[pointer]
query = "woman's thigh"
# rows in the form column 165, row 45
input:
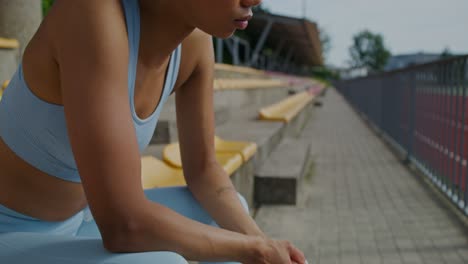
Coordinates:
column 179, row 199
column 35, row 248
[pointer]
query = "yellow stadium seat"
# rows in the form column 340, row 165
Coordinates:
column 230, row 161
column 230, row 84
column 246, row 149
column 238, row 69
column 5, row 84
column 171, row 155
column 8, row 43
column 156, row 173
column 286, row 109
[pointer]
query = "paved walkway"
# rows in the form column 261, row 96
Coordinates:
column 360, row 204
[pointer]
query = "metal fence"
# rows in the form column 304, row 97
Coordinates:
column 423, row 111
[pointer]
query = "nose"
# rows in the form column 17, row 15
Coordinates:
column 250, row 3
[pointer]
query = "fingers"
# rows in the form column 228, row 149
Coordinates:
column 296, row 255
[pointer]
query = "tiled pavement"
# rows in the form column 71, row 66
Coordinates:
column 360, row 204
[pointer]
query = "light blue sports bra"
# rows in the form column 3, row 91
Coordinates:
column 36, row 131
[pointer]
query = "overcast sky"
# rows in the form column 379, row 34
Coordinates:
column 407, row 25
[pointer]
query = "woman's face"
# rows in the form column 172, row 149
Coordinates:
column 219, row 18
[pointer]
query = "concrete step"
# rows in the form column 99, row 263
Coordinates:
column 8, row 63
column 230, row 71
column 227, row 103
column 277, row 180
column 244, row 126
column 166, row 129
column 267, row 135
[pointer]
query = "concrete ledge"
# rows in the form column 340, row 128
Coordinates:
column 228, row 104
column 247, row 83
column 8, row 63
column 277, row 180
column 231, row 71
column 267, row 135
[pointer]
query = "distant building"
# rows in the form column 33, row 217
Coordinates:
column 405, row 60
column 351, row 73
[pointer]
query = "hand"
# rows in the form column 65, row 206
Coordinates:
column 272, row 251
column 297, row 257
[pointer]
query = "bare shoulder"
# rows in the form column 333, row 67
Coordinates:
column 197, row 54
column 86, row 25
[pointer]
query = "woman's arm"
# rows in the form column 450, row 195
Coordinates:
column 206, row 179
column 92, row 54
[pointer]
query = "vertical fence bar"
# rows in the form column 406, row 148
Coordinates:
column 456, row 125
column 411, row 106
column 461, row 128
column 219, row 50
column 450, row 136
column 445, row 127
column 465, row 125
column 438, row 118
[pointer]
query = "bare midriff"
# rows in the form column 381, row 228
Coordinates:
column 34, row 193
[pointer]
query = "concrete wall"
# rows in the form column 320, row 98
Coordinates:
column 227, row 104
column 8, row 64
column 19, row 19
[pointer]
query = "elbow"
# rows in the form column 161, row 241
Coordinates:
column 123, row 237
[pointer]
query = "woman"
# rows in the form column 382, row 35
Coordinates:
column 75, row 117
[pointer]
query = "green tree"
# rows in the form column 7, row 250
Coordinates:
column 446, row 53
column 46, row 4
column 326, row 43
column 368, row 50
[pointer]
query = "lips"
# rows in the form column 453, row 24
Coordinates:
column 245, row 18
column 243, row 22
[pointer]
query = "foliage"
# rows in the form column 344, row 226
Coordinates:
column 369, row 51
column 46, row 4
column 446, row 54
column 326, row 43
column 324, row 73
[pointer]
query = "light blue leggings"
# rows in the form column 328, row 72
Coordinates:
column 58, row 243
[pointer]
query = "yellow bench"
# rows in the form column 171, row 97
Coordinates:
column 286, row 109
column 238, row 69
column 229, row 84
column 244, row 148
column 156, row 173
column 230, row 161
column 4, row 86
column 8, row 43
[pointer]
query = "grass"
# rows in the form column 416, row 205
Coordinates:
column 310, row 170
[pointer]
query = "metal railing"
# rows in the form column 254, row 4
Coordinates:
column 423, row 111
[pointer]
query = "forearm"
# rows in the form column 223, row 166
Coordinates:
column 158, row 228
column 219, row 197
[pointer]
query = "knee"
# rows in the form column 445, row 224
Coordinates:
column 148, row 257
column 172, row 258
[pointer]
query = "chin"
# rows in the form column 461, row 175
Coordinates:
column 224, row 35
